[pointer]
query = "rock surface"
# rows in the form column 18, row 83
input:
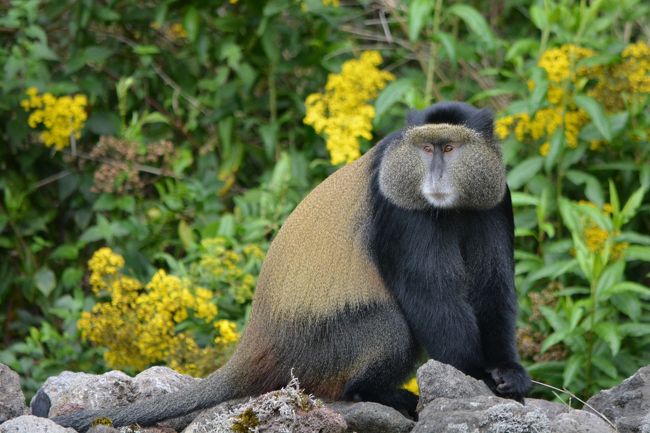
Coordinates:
column 12, row 400
column 452, row 402
column 628, row 404
column 32, row 424
column 368, row 417
column 69, row 391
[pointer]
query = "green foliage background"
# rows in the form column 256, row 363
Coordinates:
column 226, row 84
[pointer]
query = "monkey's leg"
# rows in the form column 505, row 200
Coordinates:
column 393, row 355
column 445, row 324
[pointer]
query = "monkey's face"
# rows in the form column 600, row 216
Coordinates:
column 442, row 166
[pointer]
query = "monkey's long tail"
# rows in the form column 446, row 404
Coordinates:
column 216, row 388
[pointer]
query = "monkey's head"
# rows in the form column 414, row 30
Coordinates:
column 446, row 158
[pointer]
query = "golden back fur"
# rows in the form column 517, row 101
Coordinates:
column 318, row 263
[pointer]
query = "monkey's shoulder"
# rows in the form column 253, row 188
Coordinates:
column 319, row 261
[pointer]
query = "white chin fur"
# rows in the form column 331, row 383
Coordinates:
column 439, row 197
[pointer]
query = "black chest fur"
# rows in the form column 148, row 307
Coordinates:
column 424, row 251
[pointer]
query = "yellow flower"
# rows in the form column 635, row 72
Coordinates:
column 637, row 66
column 502, row 126
column 595, row 238
column 560, row 63
column 545, row 148
column 62, row 117
column 227, row 330
column 342, row 113
column 412, row 385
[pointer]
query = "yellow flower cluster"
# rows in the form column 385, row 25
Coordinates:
column 62, row 117
column 596, row 237
column 543, row 125
column 342, row 112
column 227, row 332
column 637, row 67
column 138, row 324
column 335, row 3
column 560, row 63
column 612, row 85
column 223, row 266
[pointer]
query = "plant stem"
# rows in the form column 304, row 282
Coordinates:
column 430, row 87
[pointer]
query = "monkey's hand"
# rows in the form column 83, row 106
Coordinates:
column 509, row 380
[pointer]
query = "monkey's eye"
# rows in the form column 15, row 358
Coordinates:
column 447, row 148
column 427, row 148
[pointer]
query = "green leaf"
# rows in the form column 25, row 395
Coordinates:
column 593, row 190
column 637, row 252
column 45, row 280
column 65, row 252
column 571, row 369
column 521, row 47
column 553, row 318
column 597, row 114
column 449, row 44
column 269, row 134
column 538, row 17
column 554, row 338
column 554, row 151
column 521, row 199
column 186, row 235
column 419, row 12
column 613, row 197
column 191, row 22
column 72, row 277
column 632, row 205
column 625, row 287
column 553, row 270
column 524, row 171
column 392, row 94
column 635, row 329
column 629, row 304
column 145, row 50
column 475, row 22
column 227, row 226
column 609, row 332
column 605, row 365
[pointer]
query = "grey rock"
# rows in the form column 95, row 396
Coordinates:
column 451, row 402
column 437, row 380
column 71, row 392
column 102, row 429
column 626, row 405
column 369, row 417
column 12, row 399
column 580, row 421
column 32, row 424
column 481, row 414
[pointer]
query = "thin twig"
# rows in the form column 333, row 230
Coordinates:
column 566, row 391
column 50, row 179
column 140, row 167
column 384, row 25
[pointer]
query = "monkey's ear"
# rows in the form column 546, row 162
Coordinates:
column 415, row 118
column 483, row 122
